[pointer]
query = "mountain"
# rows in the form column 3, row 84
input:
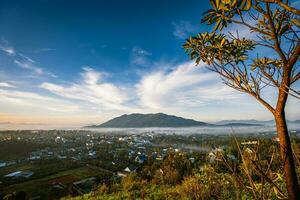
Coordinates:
column 137, row 120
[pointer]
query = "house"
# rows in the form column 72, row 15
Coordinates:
column 84, row 186
column 192, row 159
column 58, row 186
column 130, row 168
column 17, row 174
column 159, row 157
column 131, row 153
column 126, row 171
column 140, row 158
column 92, row 154
column 2, row 163
column 122, row 174
column 61, row 156
column 32, row 157
column 12, row 162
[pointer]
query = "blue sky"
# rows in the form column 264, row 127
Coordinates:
column 82, row 62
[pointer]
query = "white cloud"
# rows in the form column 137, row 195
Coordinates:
column 32, row 67
column 26, row 58
column 21, row 100
column 27, row 65
column 8, row 49
column 184, row 87
column 22, row 60
column 91, row 89
column 6, row 85
column 184, row 29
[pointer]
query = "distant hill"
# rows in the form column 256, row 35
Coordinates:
column 240, row 124
column 252, row 122
column 137, row 120
column 295, row 121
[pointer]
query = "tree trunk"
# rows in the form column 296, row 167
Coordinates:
column 287, row 157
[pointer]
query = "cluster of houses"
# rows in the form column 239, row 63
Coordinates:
column 123, row 153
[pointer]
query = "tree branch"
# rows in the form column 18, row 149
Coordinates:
column 275, row 35
column 295, row 56
column 283, row 5
column 230, row 79
column 295, row 78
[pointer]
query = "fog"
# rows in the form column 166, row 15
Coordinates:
column 198, row 130
column 168, row 130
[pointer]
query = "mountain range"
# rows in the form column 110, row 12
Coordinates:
column 252, row 121
column 137, row 120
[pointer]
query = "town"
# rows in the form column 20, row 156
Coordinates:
column 56, row 163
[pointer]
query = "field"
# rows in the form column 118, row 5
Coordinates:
column 43, row 186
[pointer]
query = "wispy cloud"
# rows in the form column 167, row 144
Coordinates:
column 181, row 89
column 6, row 85
column 33, row 100
column 26, row 58
column 8, row 49
column 23, row 60
column 30, row 66
column 184, row 87
column 183, row 29
column 91, row 89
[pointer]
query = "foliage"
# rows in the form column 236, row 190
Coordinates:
column 223, row 10
column 209, row 47
column 275, row 25
column 258, row 175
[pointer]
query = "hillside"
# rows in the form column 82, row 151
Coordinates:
column 137, row 120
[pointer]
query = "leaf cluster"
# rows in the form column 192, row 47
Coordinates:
column 211, row 47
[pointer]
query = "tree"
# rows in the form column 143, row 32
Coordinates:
column 275, row 24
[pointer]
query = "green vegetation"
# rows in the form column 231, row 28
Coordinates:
column 195, row 166
column 43, row 186
column 256, row 173
column 16, row 149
